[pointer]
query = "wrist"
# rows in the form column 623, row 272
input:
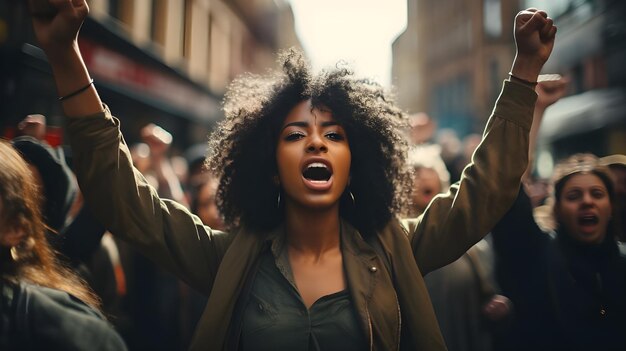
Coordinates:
column 514, row 78
column 526, row 68
column 60, row 52
column 62, row 55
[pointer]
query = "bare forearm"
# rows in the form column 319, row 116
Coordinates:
column 71, row 74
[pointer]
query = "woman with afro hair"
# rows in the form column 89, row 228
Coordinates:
column 312, row 176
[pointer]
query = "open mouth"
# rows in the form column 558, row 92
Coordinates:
column 588, row 220
column 317, row 172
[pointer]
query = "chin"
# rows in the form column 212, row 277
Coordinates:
column 590, row 239
column 319, row 203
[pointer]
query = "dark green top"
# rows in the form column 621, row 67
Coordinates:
column 276, row 318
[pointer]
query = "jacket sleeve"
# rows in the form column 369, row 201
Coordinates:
column 456, row 220
column 517, row 236
column 122, row 200
column 520, row 248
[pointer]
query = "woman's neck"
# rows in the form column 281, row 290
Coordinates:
column 312, row 231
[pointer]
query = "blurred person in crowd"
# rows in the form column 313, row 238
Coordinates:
column 421, row 128
column 53, row 176
column 204, row 202
column 160, row 167
column 196, row 158
column 140, row 153
column 456, row 153
column 180, row 168
column 43, row 304
column 312, row 170
column 463, row 293
column 33, row 125
column 430, row 176
column 157, row 302
column 451, row 148
column 550, row 89
column 71, row 228
column 568, row 285
column 202, row 192
column 617, row 165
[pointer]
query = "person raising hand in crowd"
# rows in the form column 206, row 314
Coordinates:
column 312, row 172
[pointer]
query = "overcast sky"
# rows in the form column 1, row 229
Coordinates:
column 357, row 31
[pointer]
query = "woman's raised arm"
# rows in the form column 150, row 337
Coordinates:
column 455, row 221
column 116, row 192
column 56, row 24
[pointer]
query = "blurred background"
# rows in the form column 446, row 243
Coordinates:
column 452, row 58
column 169, row 62
column 163, row 66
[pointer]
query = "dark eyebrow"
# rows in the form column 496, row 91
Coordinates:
column 296, row 124
column 306, row 124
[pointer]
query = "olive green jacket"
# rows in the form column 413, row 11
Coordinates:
column 390, row 306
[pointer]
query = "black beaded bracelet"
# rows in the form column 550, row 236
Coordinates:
column 522, row 80
column 71, row 95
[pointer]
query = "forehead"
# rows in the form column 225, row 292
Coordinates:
column 427, row 173
column 584, row 180
column 304, row 112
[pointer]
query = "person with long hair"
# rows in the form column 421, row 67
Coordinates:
column 569, row 285
column 43, row 304
column 560, row 263
column 312, row 171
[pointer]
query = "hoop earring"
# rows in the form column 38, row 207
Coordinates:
column 14, row 254
column 352, row 197
column 278, row 200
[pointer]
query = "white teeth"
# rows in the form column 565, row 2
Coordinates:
column 316, row 164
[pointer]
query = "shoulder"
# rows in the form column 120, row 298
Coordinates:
column 57, row 320
column 41, row 299
column 409, row 225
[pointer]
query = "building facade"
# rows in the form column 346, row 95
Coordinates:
column 454, row 54
column 591, row 51
column 162, row 61
column 452, row 58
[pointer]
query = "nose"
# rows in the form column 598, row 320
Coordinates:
column 316, row 144
column 587, row 198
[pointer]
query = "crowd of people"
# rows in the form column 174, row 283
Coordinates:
column 320, row 216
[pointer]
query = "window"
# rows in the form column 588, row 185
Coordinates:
column 122, row 10
column 159, row 21
column 114, row 8
column 492, row 18
column 187, row 23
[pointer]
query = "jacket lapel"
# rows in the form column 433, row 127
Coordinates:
column 212, row 330
column 371, row 290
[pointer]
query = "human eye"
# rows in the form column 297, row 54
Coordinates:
column 573, row 195
column 334, row 135
column 598, row 193
column 293, row 136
